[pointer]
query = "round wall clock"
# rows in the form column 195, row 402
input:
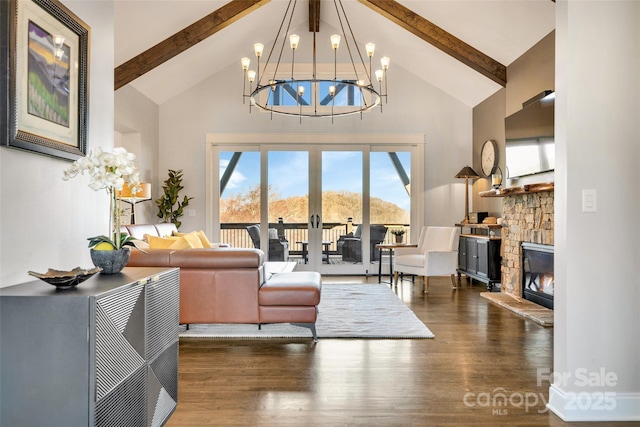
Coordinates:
column 488, row 156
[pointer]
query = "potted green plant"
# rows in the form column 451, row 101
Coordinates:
column 399, row 233
column 170, row 208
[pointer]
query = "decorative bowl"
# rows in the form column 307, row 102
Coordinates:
column 65, row 279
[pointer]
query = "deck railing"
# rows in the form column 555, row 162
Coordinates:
column 237, row 236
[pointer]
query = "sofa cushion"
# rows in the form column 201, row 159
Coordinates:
column 413, row 260
column 217, row 258
column 297, row 288
column 151, row 258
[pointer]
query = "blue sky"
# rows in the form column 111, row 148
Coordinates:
column 341, row 171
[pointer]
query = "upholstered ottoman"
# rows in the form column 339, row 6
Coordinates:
column 291, row 298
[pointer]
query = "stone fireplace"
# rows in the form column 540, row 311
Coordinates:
column 528, row 218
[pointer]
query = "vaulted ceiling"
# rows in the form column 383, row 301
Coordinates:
column 163, row 47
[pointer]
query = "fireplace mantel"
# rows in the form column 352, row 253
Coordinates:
column 515, row 191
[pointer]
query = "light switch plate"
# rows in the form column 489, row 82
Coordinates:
column 589, row 201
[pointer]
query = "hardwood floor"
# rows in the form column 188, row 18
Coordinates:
column 481, row 351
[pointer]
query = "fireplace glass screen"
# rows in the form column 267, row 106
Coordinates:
column 537, row 274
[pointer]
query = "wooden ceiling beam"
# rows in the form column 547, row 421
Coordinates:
column 314, row 16
column 184, row 39
column 439, row 38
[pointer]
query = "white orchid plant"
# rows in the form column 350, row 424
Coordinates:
column 109, row 171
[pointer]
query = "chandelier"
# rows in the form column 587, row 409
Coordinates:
column 305, row 91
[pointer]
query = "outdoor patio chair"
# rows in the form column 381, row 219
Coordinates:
column 278, row 246
column 351, row 246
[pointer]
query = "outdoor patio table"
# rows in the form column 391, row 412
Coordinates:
column 325, row 249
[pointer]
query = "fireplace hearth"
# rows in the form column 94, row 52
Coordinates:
column 537, row 273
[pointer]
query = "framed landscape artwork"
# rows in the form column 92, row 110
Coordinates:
column 44, row 76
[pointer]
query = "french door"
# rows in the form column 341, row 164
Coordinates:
column 324, row 206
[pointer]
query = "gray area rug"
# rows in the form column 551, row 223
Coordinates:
column 345, row 311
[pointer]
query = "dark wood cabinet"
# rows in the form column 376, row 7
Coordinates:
column 479, row 258
column 102, row 354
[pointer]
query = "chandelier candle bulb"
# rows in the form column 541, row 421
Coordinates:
column 258, row 48
column 294, row 40
column 245, row 66
column 370, row 48
column 335, row 41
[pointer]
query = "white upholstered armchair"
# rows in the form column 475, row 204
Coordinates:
column 436, row 255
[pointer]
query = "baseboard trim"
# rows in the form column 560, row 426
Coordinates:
column 594, row 406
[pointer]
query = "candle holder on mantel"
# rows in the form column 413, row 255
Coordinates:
column 496, row 177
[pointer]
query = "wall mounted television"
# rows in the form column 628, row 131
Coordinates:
column 529, row 134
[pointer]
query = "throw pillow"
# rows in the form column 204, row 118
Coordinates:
column 192, row 239
column 156, row 242
column 189, row 240
column 203, row 239
column 180, row 243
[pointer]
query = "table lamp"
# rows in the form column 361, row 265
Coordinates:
column 142, row 195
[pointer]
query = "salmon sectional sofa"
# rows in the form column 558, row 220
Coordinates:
column 228, row 285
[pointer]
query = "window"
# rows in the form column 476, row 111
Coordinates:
column 285, row 94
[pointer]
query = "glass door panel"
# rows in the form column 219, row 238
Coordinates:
column 288, row 206
column 391, row 191
column 240, row 194
column 390, row 203
column 341, row 206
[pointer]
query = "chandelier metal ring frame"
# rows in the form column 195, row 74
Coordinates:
column 262, row 96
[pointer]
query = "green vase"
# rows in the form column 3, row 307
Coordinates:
column 111, row 262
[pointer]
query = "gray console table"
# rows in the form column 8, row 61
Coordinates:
column 102, row 354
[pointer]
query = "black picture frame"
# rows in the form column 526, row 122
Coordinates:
column 54, row 121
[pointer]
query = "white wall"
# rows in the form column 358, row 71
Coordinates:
column 597, row 129
column 137, row 130
column 215, row 106
column 46, row 221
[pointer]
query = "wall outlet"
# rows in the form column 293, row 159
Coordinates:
column 191, row 212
